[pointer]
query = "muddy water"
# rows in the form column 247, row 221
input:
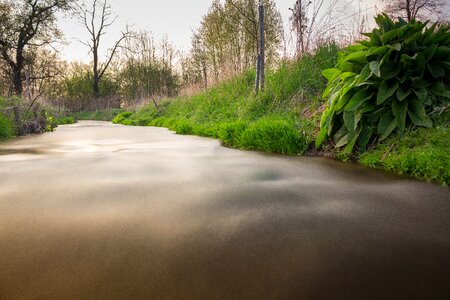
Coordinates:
column 98, row 211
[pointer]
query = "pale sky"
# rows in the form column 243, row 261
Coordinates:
column 173, row 18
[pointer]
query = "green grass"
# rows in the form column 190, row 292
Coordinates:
column 100, row 115
column 424, row 153
column 277, row 120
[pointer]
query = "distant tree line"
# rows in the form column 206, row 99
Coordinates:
column 139, row 68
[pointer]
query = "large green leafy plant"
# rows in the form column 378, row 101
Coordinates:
column 386, row 83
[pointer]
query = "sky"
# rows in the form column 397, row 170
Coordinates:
column 173, row 18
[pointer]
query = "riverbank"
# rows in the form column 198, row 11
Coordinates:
column 285, row 119
column 18, row 118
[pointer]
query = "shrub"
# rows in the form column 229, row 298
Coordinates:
column 66, row 120
column 6, row 128
column 387, row 83
column 120, row 118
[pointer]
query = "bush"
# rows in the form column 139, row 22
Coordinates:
column 388, row 83
column 120, row 118
column 66, row 120
column 6, row 128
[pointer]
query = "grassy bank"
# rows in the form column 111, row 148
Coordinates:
column 423, row 153
column 285, row 119
column 281, row 119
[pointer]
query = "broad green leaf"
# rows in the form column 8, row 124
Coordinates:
column 429, row 52
column 436, row 69
column 331, row 74
column 387, row 125
column 377, row 51
column 333, row 87
column 411, row 40
column 399, row 111
column 340, row 134
column 346, row 75
column 343, row 100
column 386, row 91
column 359, row 57
column 323, row 135
column 418, row 115
column 408, row 60
column 389, row 70
column 349, row 121
column 385, row 121
column 352, row 141
column 402, row 77
column 356, row 48
column 403, row 92
column 365, row 74
column 367, row 107
column 420, row 62
column 365, row 136
column 422, row 94
column 397, row 47
column 342, row 142
column 358, row 99
column 390, row 36
column 375, row 68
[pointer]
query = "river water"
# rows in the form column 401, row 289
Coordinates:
column 102, row 211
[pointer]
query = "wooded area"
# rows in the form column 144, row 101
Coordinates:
column 138, row 68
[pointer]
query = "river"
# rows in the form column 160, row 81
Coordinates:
column 102, row 211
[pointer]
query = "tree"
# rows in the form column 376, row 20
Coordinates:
column 299, row 22
column 318, row 22
column 23, row 24
column 227, row 42
column 97, row 20
column 414, row 9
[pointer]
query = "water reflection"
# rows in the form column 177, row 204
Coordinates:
column 105, row 211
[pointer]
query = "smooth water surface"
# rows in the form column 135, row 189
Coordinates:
column 101, row 211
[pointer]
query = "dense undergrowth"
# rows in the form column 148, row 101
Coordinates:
column 31, row 120
column 281, row 119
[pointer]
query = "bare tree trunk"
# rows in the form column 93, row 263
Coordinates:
column 258, row 73
column 262, row 41
column 96, row 81
column 408, row 10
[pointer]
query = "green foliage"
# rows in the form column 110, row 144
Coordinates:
column 270, row 121
column 65, row 120
column 423, row 153
column 6, row 128
column 387, row 83
column 274, row 134
column 230, row 133
column 51, row 122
